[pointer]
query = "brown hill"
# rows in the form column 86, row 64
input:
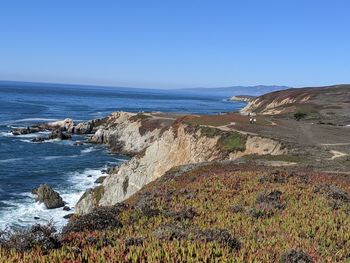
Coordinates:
column 325, row 104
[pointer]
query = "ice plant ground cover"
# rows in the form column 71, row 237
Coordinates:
column 222, row 212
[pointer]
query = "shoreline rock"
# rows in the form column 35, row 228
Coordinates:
column 66, row 208
column 55, row 134
column 63, row 125
column 51, row 199
column 62, row 130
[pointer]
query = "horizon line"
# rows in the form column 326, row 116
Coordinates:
column 133, row 87
column 158, row 88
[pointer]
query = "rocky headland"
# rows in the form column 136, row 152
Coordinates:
column 214, row 187
column 158, row 143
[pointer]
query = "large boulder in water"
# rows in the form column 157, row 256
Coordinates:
column 58, row 134
column 48, row 196
column 85, row 127
column 39, row 139
column 26, row 130
column 55, row 134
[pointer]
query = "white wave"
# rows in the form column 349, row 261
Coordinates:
column 27, row 194
column 31, row 119
column 52, row 141
column 21, row 212
column 59, row 157
column 6, row 134
column 66, row 142
column 27, row 141
column 11, row 160
column 32, row 135
column 52, row 157
column 85, row 179
column 89, row 150
column 118, row 160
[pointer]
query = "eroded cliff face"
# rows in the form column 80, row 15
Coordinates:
column 128, row 133
column 160, row 148
column 273, row 106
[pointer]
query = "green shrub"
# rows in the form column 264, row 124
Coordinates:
column 299, row 115
column 209, row 131
column 232, row 142
column 139, row 117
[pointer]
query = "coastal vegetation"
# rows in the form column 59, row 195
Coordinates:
column 299, row 115
column 281, row 158
column 216, row 212
column 232, row 142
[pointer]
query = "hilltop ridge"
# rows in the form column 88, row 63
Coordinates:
column 329, row 104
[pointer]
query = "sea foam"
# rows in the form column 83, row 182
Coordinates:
column 89, row 150
column 11, row 160
column 21, row 212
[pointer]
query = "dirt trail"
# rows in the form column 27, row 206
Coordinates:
column 335, row 144
column 337, row 154
column 228, row 127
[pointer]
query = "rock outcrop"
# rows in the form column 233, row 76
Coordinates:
column 62, row 125
column 60, row 135
column 26, row 130
column 51, row 199
column 65, row 124
column 61, row 130
column 122, row 132
column 85, row 127
column 158, row 148
column 55, row 134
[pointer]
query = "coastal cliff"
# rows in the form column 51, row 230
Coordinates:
column 159, row 143
column 244, row 98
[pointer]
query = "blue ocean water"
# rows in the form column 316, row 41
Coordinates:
column 67, row 168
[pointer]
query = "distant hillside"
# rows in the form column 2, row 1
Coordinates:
column 220, row 92
column 329, row 104
column 237, row 90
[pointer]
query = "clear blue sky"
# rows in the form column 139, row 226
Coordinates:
column 179, row 43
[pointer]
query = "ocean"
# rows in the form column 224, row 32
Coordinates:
column 70, row 169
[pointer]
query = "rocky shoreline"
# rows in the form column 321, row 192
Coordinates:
column 58, row 130
column 156, row 142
